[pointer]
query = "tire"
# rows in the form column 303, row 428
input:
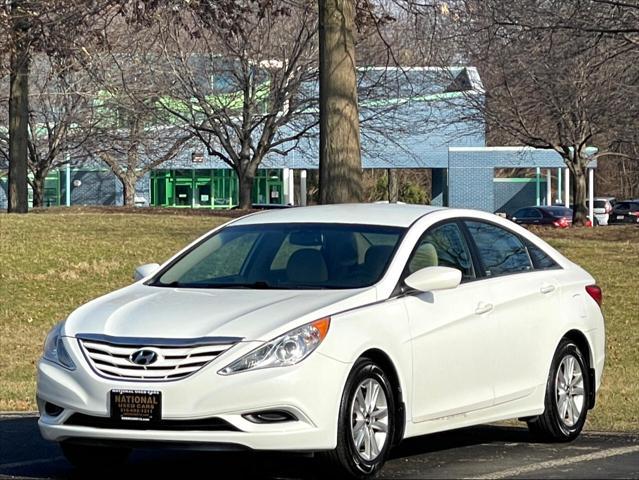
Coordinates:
column 85, row 457
column 355, row 455
column 566, row 407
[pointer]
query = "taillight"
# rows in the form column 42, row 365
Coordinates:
column 608, row 208
column 636, row 214
column 595, row 292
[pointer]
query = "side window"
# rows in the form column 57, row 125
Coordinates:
column 501, row 252
column 540, row 260
column 442, row 246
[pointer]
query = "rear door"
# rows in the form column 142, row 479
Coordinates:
column 523, row 300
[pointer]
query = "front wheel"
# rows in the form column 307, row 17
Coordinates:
column 566, row 401
column 366, row 423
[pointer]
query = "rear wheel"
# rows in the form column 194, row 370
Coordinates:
column 92, row 457
column 566, row 402
column 366, row 423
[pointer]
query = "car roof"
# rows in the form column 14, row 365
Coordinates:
column 545, row 208
column 396, row 215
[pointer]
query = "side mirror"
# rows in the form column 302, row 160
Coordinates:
column 434, row 278
column 144, row 271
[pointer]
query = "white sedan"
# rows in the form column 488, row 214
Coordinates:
column 336, row 329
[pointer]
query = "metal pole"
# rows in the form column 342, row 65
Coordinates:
column 538, row 185
column 303, row 188
column 567, row 187
column 548, row 187
column 591, row 195
column 67, row 192
column 559, row 184
column 291, row 187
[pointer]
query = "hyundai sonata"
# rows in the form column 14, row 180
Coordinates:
column 335, row 329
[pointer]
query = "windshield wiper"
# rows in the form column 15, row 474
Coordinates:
column 173, row 284
column 259, row 285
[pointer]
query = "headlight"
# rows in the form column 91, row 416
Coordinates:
column 287, row 349
column 54, row 349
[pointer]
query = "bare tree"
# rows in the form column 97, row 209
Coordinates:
column 35, row 26
column 60, row 117
column 18, row 106
column 128, row 134
column 239, row 79
column 548, row 88
column 340, row 153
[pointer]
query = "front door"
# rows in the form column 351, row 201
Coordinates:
column 183, row 193
column 203, row 193
column 453, row 332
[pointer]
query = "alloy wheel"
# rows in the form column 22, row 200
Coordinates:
column 369, row 415
column 569, row 388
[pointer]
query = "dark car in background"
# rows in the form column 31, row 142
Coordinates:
column 626, row 211
column 555, row 216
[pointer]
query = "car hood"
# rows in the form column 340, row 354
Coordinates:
column 161, row 312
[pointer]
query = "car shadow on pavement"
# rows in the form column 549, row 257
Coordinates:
column 24, row 454
column 464, row 437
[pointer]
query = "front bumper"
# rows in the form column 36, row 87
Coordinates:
column 310, row 390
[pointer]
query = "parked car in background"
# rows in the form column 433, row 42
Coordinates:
column 602, row 208
column 626, row 211
column 337, row 329
column 555, row 216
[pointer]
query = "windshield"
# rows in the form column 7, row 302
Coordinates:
column 285, row 256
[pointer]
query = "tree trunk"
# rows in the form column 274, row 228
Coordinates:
column 580, row 189
column 128, row 187
column 340, row 158
column 393, row 186
column 18, row 196
column 37, row 185
column 245, row 181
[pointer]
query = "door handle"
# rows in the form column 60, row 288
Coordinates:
column 483, row 308
column 548, row 288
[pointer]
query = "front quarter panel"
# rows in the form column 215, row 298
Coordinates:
column 379, row 326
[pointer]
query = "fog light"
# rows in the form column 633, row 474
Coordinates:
column 52, row 409
column 270, row 416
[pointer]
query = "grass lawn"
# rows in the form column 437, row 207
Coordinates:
column 52, row 263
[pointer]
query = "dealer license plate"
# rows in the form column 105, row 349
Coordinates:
column 620, row 217
column 137, row 405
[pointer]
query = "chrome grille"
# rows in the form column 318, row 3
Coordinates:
column 111, row 356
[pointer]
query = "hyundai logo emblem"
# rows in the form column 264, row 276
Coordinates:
column 144, row 357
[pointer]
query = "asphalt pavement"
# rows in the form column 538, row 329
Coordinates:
column 486, row 452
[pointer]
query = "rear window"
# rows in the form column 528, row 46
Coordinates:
column 600, row 204
column 540, row 259
column 559, row 211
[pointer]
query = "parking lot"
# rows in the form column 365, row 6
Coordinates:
column 487, row 452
